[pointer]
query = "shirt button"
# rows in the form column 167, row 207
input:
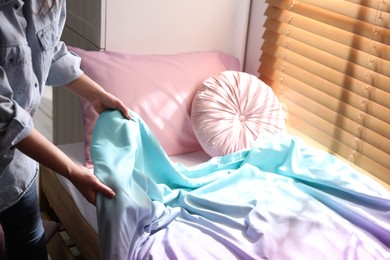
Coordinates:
column 16, row 6
column 36, row 84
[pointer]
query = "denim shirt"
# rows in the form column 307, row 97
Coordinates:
column 31, row 56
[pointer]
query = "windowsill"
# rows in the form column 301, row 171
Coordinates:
column 316, row 144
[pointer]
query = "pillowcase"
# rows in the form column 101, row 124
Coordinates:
column 159, row 88
column 231, row 109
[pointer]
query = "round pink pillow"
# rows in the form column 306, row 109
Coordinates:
column 231, row 109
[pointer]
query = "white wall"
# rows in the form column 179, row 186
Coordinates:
column 255, row 33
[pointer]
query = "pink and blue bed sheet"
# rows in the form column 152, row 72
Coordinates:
column 282, row 199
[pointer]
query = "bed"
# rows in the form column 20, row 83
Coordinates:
column 310, row 204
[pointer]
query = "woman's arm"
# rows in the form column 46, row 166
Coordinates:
column 43, row 151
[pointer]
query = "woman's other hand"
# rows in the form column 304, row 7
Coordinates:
column 101, row 100
column 88, row 184
column 106, row 101
column 43, row 151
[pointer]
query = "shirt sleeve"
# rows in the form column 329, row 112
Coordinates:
column 65, row 67
column 15, row 123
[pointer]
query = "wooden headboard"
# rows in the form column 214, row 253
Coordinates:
column 146, row 27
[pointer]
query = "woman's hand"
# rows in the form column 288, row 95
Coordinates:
column 101, row 100
column 43, row 151
column 105, row 101
column 88, row 184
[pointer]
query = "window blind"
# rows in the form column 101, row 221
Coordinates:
column 329, row 64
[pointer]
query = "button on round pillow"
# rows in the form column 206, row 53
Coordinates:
column 231, row 110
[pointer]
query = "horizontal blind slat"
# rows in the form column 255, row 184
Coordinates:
column 383, row 6
column 337, row 123
column 318, row 15
column 315, row 66
column 362, row 161
column 339, row 134
column 301, row 41
column 348, row 39
column 352, row 10
column 334, row 110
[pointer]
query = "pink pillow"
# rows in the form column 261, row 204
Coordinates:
column 159, row 88
column 231, row 110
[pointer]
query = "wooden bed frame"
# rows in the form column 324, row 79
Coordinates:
column 55, row 200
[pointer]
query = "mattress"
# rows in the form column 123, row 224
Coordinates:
column 76, row 152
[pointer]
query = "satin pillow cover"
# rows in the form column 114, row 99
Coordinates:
column 231, row 109
column 159, row 88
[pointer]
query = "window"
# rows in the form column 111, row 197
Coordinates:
column 329, row 63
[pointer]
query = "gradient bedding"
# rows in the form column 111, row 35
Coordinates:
column 282, row 199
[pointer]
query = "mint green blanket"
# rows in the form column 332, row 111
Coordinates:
column 282, row 199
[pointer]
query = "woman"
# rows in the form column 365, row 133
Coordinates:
column 31, row 57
